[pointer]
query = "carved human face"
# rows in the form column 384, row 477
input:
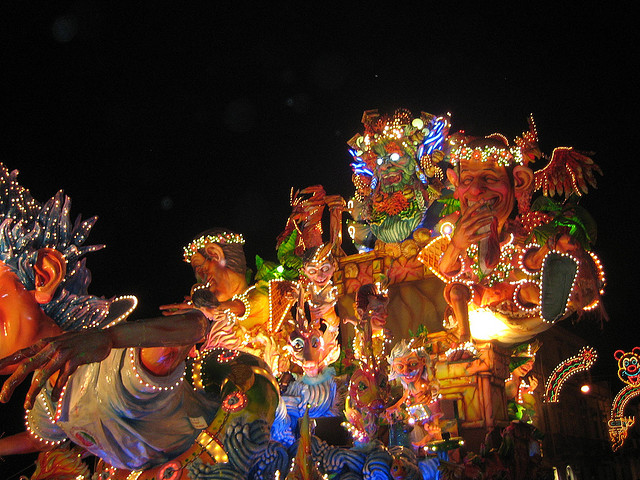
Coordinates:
column 377, row 311
column 409, row 368
column 488, row 183
column 320, row 273
column 394, row 172
column 206, row 270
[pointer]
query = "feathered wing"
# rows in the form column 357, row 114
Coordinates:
column 568, row 172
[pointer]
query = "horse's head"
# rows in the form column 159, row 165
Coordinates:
column 313, row 347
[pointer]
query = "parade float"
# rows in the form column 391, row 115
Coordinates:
column 420, row 345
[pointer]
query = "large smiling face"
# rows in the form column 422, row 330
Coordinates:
column 488, row 183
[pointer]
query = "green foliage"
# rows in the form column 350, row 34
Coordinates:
column 451, row 205
column 568, row 217
column 268, row 270
column 286, row 253
column 287, row 267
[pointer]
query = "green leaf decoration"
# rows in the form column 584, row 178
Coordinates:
column 286, row 252
column 568, row 216
column 451, row 205
column 545, row 204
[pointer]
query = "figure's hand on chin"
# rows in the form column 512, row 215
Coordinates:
column 472, row 226
column 54, row 358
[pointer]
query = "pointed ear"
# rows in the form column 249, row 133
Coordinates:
column 453, row 177
column 522, row 178
column 214, row 252
column 50, row 269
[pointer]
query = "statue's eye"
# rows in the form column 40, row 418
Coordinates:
column 394, row 157
column 315, row 341
column 297, row 344
column 625, row 363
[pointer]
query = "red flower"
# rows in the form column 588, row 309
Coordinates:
column 392, row 205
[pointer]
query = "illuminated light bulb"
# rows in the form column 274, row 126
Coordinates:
column 418, row 123
column 585, row 388
column 446, row 228
column 395, row 157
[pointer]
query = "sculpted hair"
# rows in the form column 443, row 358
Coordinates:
column 27, row 226
column 235, row 258
column 366, row 291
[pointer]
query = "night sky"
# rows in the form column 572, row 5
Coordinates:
column 165, row 119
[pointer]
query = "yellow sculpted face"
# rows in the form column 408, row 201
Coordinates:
column 409, row 368
column 205, row 270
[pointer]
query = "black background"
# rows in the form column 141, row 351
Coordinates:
column 165, row 119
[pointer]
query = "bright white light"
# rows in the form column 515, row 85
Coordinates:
column 585, row 388
column 379, row 161
column 485, row 325
column 395, row 157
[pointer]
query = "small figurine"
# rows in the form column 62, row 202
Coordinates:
column 318, row 267
column 412, row 365
column 520, row 385
column 372, row 338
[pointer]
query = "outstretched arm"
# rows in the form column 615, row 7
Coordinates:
column 21, row 443
column 61, row 356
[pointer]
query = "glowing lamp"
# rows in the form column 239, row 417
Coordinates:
column 585, row 388
column 485, row 325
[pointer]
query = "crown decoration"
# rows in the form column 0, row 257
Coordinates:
column 395, row 136
column 321, row 254
column 502, row 156
column 224, row 238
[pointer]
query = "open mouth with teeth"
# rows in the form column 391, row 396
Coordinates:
column 488, row 203
column 391, row 178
